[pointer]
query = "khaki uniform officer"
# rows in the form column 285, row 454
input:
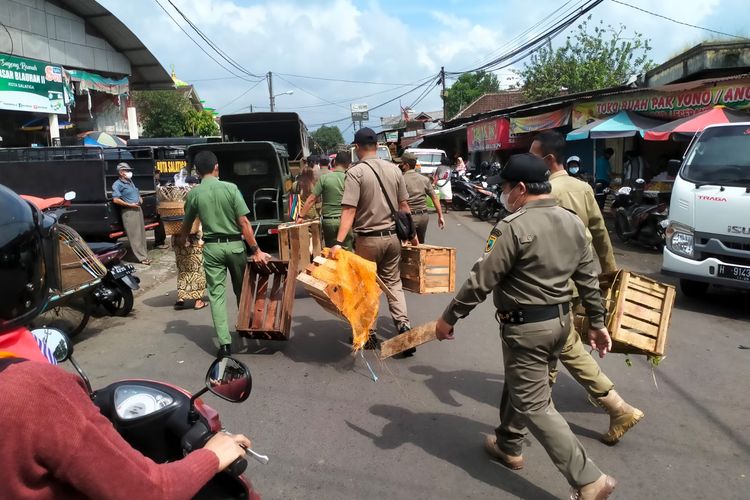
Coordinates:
column 578, row 197
column 329, row 189
column 530, row 257
column 418, row 186
column 223, row 214
column 366, row 210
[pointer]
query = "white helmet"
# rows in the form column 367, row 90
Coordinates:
column 573, row 158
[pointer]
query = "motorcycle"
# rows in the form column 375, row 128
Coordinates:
column 600, row 194
column 639, row 218
column 464, row 191
column 115, row 292
column 165, row 422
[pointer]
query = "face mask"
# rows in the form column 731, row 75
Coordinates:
column 505, row 201
column 573, row 170
column 128, row 175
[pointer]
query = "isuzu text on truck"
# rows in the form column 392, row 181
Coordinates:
column 708, row 237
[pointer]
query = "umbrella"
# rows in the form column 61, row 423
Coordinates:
column 39, row 124
column 623, row 124
column 95, row 138
column 692, row 124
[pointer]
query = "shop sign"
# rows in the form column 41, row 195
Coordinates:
column 667, row 105
column 30, row 85
column 545, row 121
column 391, row 136
column 492, row 135
column 170, row 166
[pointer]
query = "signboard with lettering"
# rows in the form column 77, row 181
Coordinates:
column 360, row 113
column 492, row 135
column 391, row 136
column 544, row 121
column 171, row 166
column 30, row 85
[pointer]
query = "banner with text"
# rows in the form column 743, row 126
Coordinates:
column 667, row 105
column 492, row 135
column 29, row 85
column 545, row 121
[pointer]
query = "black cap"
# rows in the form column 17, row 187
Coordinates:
column 365, row 136
column 525, row 168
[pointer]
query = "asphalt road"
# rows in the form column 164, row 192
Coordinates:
column 416, row 433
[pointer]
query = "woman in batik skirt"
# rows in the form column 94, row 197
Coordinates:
column 191, row 280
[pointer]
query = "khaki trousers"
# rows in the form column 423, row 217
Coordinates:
column 218, row 258
column 385, row 251
column 530, row 351
column 420, row 224
column 132, row 221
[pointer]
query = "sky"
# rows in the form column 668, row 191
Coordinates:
column 390, row 43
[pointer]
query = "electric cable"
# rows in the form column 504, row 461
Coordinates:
column 240, row 96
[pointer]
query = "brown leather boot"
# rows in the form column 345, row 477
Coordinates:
column 513, row 462
column 622, row 417
column 600, row 489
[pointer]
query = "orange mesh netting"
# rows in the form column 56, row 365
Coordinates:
column 356, row 293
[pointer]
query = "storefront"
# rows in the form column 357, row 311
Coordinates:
column 492, row 140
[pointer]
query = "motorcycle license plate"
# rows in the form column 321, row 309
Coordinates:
column 734, row 272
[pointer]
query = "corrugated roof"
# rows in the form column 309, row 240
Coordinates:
column 490, row 102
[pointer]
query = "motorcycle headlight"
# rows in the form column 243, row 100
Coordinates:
column 681, row 240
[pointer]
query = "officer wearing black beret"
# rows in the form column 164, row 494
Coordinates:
column 529, row 259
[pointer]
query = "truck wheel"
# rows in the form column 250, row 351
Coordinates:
column 693, row 289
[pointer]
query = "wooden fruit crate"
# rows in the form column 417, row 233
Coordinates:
column 428, row 269
column 300, row 242
column 639, row 310
column 265, row 310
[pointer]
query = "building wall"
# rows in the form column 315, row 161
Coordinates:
column 40, row 30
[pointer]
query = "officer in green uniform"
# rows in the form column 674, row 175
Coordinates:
column 419, row 187
column 529, row 259
column 223, row 213
column 329, row 189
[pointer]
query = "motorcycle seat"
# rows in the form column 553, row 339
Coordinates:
column 104, row 247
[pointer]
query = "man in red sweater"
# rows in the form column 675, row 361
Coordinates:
column 55, row 442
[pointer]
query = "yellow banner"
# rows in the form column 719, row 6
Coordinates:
column 170, row 166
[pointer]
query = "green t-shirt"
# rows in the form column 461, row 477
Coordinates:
column 330, row 189
column 218, row 204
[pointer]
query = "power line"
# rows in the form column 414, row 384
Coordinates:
column 680, row 22
column 343, row 81
column 310, row 93
column 199, row 45
column 240, row 96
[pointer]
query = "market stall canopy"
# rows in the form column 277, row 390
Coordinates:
column 95, row 138
column 623, row 124
column 692, row 124
column 39, row 124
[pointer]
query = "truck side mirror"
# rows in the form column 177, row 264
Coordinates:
column 673, row 166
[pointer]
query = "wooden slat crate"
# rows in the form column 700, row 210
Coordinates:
column 639, row 310
column 265, row 310
column 307, row 240
column 428, row 269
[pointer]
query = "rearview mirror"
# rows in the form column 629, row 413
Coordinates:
column 70, row 196
column 229, row 379
column 56, row 341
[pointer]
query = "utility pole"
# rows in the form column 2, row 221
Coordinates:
column 270, row 90
column 442, row 93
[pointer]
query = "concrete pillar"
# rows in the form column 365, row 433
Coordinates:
column 132, row 122
column 54, row 130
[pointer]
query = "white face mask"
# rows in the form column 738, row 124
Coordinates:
column 128, row 175
column 574, row 170
column 505, row 200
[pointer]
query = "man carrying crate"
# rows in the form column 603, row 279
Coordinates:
column 578, row 197
column 528, row 273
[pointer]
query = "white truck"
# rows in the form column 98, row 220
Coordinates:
column 708, row 236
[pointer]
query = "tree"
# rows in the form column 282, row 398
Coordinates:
column 201, row 123
column 468, row 88
column 328, row 137
column 588, row 61
column 163, row 113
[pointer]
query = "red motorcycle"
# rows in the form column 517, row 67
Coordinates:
column 165, row 422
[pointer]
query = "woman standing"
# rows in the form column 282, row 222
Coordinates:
column 191, row 280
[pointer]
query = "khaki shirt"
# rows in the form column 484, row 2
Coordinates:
column 529, row 259
column 577, row 196
column 330, row 189
column 418, row 186
column 218, row 204
column 361, row 190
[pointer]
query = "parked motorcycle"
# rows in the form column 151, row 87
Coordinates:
column 115, row 292
column 165, row 422
column 600, row 194
column 639, row 218
column 464, row 190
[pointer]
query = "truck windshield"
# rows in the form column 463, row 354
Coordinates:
column 721, row 155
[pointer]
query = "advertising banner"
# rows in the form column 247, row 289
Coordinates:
column 29, row 85
column 545, row 121
column 667, row 105
column 492, row 135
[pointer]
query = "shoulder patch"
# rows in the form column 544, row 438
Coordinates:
column 515, row 215
column 494, row 235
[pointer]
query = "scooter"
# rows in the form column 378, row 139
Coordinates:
column 464, row 191
column 115, row 292
column 165, row 422
column 600, row 194
column 639, row 218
